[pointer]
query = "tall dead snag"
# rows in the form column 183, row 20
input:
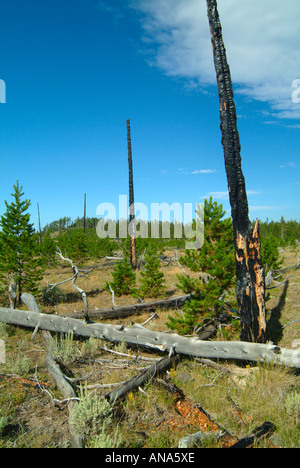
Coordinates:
column 84, row 213
column 250, row 275
column 131, row 201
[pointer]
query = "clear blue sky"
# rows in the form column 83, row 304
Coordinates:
column 75, row 70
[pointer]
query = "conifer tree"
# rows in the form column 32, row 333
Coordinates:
column 152, row 279
column 216, row 267
column 270, row 253
column 47, row 249
column 74, row 244
column 19, row 246
column 124, row 278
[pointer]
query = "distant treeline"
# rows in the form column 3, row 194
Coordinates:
column 163, row 230
column 286, row 232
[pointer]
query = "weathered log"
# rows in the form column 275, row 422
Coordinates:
column 56, row 374
column 250, row 277
column 133, row 309
column 158, row 341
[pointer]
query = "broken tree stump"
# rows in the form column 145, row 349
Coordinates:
column 250, row 276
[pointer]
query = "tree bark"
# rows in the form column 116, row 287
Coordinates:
column 131, row 201
column 250, row 275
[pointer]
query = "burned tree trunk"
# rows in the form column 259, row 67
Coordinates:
column 84, row 213
column 131, row 201
column 249, row 269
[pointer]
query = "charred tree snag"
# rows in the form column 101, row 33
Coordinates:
column 250, row 277
column 131, row 201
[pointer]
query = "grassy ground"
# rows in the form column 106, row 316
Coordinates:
column 238, row 402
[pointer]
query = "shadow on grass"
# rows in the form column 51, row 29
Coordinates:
column 274, row 327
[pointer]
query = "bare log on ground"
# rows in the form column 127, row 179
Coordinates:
column 56, row 374
column 133, row 309
column 158, row 341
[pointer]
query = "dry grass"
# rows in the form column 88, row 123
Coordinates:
column 262, row 393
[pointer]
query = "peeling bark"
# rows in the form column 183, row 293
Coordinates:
column 249, row 269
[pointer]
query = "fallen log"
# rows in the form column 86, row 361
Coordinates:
column 158, row 341
column 56, row 374
column 133, row 309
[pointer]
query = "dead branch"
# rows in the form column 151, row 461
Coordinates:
column 112, row 295
column 153, row 316
column 283, row 270
column 290, row 323
column 179, row 264
column 279, row 284
column 76, row 272
column 141, row 378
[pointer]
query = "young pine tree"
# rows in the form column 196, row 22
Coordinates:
column 216, row 267
column 124, row 278
column 47, row 250
column 19, row 246
column 152, row 279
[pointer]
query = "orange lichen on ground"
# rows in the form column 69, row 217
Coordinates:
column 191, row 415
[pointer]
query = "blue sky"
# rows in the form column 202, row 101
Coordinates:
column 75, row 70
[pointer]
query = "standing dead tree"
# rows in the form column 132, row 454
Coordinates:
column 131, row 201
column 250, row 276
